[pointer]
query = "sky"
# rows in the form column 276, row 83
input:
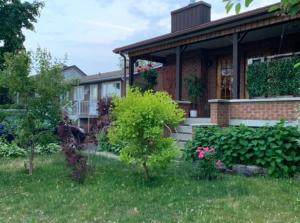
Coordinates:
column 86, row 31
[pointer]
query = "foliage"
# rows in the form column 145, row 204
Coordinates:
column 150, row 75
column 274, row 78
column 205, row 164
column 15, row 16
column 195, row 89
column 71, row 148
column 113, row 193
column 275, row 148
column 48, row 149
column 10, row 150
column 285, row 7
column 40, row 95
column 140, row 127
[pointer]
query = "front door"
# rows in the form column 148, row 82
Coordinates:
column 224, row 78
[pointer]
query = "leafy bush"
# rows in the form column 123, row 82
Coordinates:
column 140, row 127
column 10, row 150
column 104, row 144
column 275, row 148
column 275, row 78
column 48, row 149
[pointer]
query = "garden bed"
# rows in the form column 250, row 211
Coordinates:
column 115, row 192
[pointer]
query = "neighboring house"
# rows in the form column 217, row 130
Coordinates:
column 219, row 52
column 73, row 72
column 90, row 90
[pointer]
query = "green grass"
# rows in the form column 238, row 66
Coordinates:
column 114, row 192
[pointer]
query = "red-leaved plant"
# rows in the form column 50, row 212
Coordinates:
column 71, row 137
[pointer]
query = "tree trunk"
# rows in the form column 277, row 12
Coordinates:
column 31, row 157
column 146, row 171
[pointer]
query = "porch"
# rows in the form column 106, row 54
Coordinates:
column 221, row 63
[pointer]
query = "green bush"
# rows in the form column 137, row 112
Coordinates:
column 141, row 123
column 10, row 150
column 274, row 78
column 105, row 145
column 48, row 149
column 275, row 148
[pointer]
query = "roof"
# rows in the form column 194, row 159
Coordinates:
column 101, row 77
column 74, row 67
column 206, row 26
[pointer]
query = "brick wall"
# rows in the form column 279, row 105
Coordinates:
column 222, row 111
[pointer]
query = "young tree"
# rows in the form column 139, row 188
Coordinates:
column 141, row 127
column 40, row 95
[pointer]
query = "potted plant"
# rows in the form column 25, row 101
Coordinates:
column 195, row 91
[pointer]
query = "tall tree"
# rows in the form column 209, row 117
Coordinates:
column 15, row 16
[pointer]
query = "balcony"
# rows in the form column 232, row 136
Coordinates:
column 84, row 109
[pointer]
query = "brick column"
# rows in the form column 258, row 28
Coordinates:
column 219, row 113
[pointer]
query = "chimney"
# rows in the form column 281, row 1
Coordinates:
column 196, row 13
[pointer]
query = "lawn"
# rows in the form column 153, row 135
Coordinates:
column 114, row 192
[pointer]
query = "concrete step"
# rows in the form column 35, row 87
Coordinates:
column 185, row 129
column 181, row 144
column 182, row 137
column 190, row 121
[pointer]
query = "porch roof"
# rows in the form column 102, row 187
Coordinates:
column 205, row 31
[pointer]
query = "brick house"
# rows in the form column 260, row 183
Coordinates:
column 219, row 52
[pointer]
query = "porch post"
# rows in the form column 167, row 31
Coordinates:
column 178, row 73
column 131, row 70
column 236, row 66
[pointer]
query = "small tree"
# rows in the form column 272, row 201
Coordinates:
column 142, row 120
column 40, row 95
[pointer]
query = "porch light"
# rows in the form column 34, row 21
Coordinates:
column 1, row 43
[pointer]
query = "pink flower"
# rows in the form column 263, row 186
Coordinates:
column 212, row 150
column 201, row 155
column 206, row 149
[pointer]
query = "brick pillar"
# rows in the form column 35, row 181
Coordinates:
column 219, row 113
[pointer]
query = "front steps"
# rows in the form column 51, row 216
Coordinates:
column 184, row 132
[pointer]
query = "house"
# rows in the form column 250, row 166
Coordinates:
column 73, row 72
column 90, row 90
column 219, row 53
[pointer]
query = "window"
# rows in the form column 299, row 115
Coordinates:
column 79, row 93
column 110, row 89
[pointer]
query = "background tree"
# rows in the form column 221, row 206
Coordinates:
column 15, row 16
column 40, row 95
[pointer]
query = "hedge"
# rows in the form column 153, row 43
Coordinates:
column 275, row 148
column 274, row 78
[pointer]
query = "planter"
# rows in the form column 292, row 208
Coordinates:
column 193, row 113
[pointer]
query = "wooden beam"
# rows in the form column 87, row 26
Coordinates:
column 178, row 73
column 236, row 66
column 131, row 70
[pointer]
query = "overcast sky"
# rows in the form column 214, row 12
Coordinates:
column 88, row 30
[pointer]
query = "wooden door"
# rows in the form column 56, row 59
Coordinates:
column 224, row 78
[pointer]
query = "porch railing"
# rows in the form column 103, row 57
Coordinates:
column 88, row 108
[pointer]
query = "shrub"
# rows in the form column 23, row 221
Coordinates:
column 275, row 148
column 8, row 150
column 275, row 78
column 205, row 164
column 48, row 149
column 140, row 128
